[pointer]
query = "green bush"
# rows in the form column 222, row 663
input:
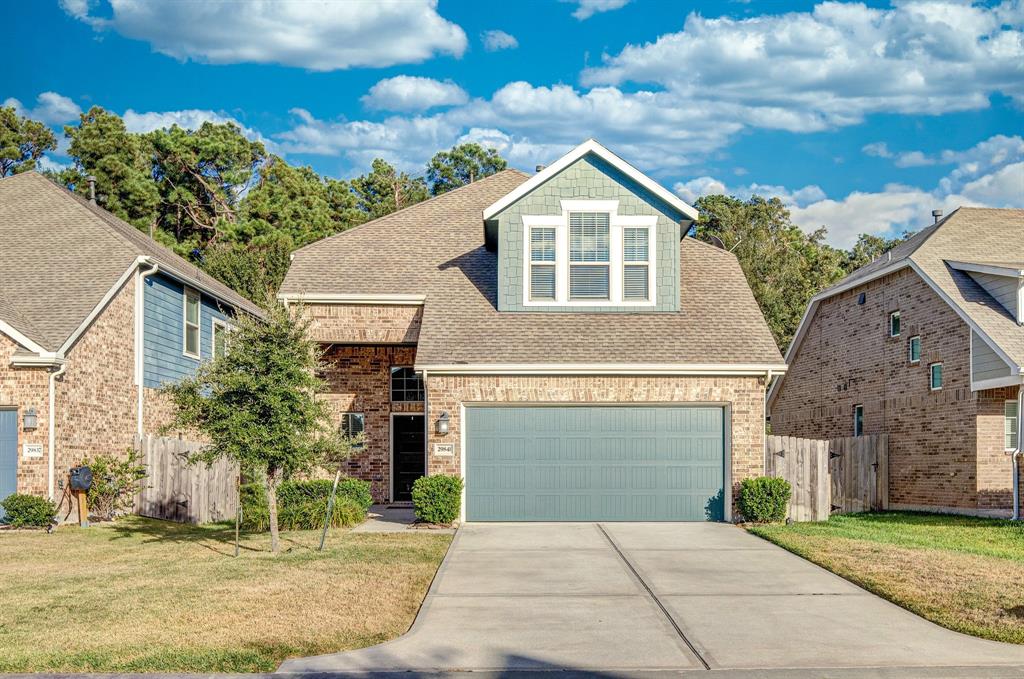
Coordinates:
column 302, row 505
column 764, row 499
column 115, row 483
column 437, row 499
column 28, row 510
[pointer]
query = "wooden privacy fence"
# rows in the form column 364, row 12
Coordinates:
column 178, row 491
column 841, row 475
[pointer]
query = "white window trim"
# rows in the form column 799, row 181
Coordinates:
column 931, row 383
column 1019, row 428
column 617, row 223
column 856, row 408
column 191, row 292
column 227, row 327
column 895, row 315
column 910, row 350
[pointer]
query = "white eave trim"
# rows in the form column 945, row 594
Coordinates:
column 328, row 298
column 986, row 268
column 98, row 309
column 20, row 338
column 996, row 382
column 591, row 146
column 45, row 360
column 717, row 369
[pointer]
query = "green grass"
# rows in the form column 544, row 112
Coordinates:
column 150, row 596
column 964, row 573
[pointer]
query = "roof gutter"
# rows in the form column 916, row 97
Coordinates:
column 682, row 369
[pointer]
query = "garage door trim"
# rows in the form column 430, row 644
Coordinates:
column 725, row 406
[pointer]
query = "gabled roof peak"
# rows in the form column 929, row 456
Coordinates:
column 591, row 146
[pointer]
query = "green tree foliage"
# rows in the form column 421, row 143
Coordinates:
column 201, row 175
column 258, row 404
column 384, row 190
column 784, row 265
column 254, row 269
column 462, row 164
column 869, row 248
column 22, row 142
column 121, row 163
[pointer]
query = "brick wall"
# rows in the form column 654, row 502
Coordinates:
column 359, row 380
column 744, row 394
column 21, row 389
column 995, row 471
column 848, row 358
column 364, row 323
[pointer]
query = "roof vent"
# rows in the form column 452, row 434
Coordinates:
column 92, row 188
column 936, row 215
column 539, row 168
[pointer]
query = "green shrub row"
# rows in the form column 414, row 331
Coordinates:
column 25, row 511
column 302, row 505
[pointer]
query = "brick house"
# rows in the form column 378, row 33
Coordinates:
column 94, row 318
column 925, row 344
column 555, row 339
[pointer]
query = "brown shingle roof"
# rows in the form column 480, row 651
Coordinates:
column 436, row 248
column 59, row 255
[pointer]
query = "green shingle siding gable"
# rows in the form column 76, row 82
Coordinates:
column 588, row 178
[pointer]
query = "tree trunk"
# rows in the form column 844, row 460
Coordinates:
column 273, row 481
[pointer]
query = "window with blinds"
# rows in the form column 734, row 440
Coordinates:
column 1012, row 424
column 589, row 252
column 542, row 263
column 635, row 267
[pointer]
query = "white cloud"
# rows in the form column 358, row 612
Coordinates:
column 410, row 93
column 588, row 8
column 320, row 36
column 990, row 173
column 837, row 63
column 498, row 40
column 51, row 108
column 189, row 119
column 47, row 164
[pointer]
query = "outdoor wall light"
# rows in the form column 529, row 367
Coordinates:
column 442, row 423
column 30, row 420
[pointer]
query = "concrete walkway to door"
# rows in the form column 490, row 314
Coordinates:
column 634, row 597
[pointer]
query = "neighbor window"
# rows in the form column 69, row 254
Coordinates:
column 858, row 420
column 589, row 255
column 935, row 376
column 1012, row 421
column 191, row 337
column 406, row 385
column 353, row 424
column 915, row 349
column 542, row 263
column 894, row 324
column 635, row 259
column 220, row 338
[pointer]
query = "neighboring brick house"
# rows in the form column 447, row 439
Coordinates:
column 556, row 339
column 94, row 318
column 925, row 344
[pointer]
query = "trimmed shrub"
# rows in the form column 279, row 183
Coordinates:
column 28, row 511
column 764, row 499
column 302, row 505
column 437, row 499
column 115, row 483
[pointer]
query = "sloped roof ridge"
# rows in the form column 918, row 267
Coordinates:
column 407, row 208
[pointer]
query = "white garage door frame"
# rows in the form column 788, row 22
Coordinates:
column 726, row 418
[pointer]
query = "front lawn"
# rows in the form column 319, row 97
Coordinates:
column 963, row 573
column 143, row 595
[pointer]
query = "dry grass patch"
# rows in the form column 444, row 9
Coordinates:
column 145, row 595
column 960, row 572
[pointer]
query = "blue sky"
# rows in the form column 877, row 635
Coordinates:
column 861, row 116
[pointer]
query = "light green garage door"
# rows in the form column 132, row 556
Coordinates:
column 582, row 463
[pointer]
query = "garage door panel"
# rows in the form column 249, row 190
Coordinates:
column 586, row 463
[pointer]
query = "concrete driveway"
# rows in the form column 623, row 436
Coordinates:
column 634, row 597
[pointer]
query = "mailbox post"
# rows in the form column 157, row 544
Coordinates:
column 80, row 480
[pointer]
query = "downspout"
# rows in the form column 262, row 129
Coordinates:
column 426, row 427
column 1016, row 454
column 140, row 331
column 51, row 433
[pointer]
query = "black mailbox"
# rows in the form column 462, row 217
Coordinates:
column 81, row 478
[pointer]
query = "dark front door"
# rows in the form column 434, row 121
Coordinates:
column 409, row 454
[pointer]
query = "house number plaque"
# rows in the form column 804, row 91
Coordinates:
column 444, row 450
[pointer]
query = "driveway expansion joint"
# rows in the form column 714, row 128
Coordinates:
column 657, row 601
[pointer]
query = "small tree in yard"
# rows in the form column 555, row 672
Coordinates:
column 258, row 404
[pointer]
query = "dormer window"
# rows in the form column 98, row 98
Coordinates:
column 589, row 256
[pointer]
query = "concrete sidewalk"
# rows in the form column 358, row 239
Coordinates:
column 627, row 598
